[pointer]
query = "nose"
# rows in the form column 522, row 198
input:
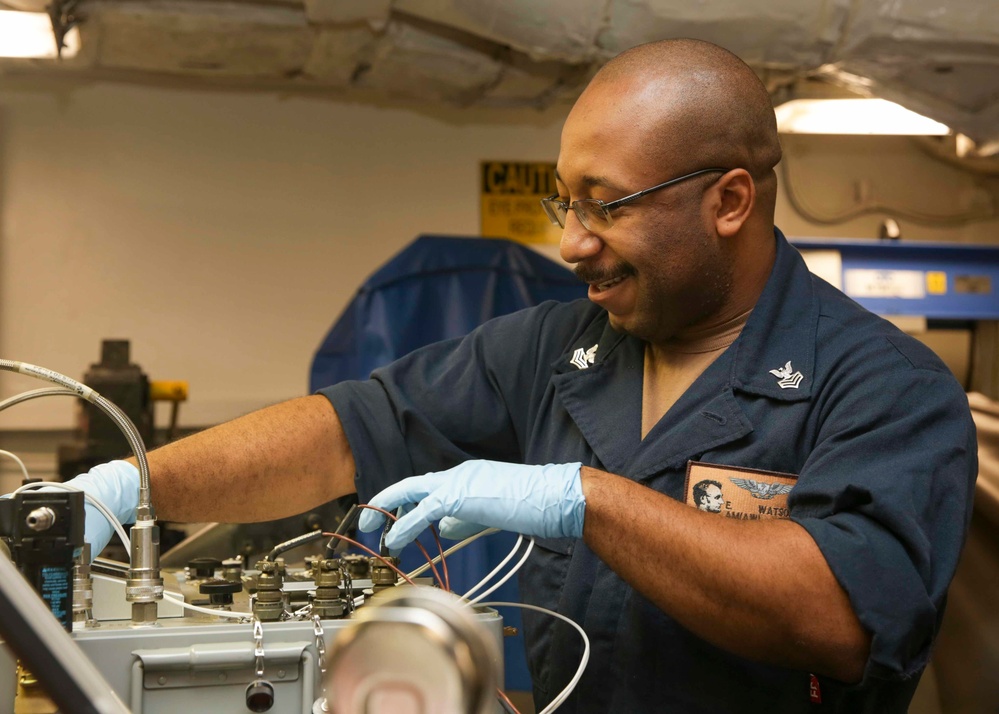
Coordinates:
column 577, row 242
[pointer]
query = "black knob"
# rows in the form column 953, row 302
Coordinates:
column 204, row 567
column 220, row 592
column 259, row 696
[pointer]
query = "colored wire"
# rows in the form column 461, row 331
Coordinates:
column 443, row 582
column 584, row 660
column 454, row 549
column 530, row 547
column 505, row 701
column 440, row 549
column 368, row 550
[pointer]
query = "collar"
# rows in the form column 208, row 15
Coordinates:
column 593, row 346
column 775, row 354
column 599, row 377
column 776, row 345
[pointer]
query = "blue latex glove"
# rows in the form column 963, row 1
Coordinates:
column 544, row 501
column 116, row 484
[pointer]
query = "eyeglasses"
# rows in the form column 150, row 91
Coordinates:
column 594, row 214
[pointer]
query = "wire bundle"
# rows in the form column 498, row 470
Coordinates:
column 441, row 576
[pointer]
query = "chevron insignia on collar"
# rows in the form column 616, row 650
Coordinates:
column 581, row 359
column 787, row 377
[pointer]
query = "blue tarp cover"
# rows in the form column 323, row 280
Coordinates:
column 437, row 288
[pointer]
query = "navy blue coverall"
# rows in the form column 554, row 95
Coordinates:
column 867, row 425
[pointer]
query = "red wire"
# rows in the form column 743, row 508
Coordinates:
column 440, row 548
column 444, row 582
column 502, row 695
column 368, row 550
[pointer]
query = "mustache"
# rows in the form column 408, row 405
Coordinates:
column 594, row 274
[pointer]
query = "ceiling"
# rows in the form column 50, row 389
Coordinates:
column 937, row 57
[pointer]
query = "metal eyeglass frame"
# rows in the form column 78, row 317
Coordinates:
column 550, row 203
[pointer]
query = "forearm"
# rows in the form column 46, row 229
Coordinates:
column 275, row 462
column 760, row 589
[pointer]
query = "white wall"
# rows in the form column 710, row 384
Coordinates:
column 221, row 232
column 224, row 232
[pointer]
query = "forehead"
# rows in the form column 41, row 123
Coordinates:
column 611, row 137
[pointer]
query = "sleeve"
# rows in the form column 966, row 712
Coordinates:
column 446, row 403
column 887, row 495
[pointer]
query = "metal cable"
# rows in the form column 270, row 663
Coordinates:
column 116, row 415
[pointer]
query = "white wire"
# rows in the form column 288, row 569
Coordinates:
column 20, row 463
column 530, row 547
column 507, row 559
column 97, row 503
column 453, row 549
column 583, row 661
column 178, row 599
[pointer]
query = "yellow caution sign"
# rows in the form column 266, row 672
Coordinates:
column 511, row 201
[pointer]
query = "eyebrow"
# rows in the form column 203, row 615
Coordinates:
column 591, row 181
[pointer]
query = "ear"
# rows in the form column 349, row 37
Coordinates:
column 734, row 198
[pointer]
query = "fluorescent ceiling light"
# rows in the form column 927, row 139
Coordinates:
column 853, row 116
column 29, row 34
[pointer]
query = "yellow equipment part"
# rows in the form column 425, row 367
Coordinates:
column 161, row 390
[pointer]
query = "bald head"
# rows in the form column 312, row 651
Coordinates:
column 696, row 105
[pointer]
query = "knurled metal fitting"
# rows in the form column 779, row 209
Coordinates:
column 327, row 603
column 382, row 576
column 269, row 602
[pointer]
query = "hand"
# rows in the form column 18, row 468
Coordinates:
column 116, row 484
column 545, row 501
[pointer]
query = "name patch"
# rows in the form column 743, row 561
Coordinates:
column 737, row 492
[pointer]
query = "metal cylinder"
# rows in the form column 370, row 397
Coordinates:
column 382, row 576
column 41, row 519
column 357, row 566
column 420, row 645
column 83, row 590
column 232, row 570
column 144, row 586
column 327, row 603
column 268, row 605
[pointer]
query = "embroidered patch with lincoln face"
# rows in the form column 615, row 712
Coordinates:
column 736, row 492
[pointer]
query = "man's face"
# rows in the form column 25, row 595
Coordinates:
column 712, row 499
column 659, row 267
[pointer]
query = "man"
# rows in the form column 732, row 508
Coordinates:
column 706, row 350
column 708, row 496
